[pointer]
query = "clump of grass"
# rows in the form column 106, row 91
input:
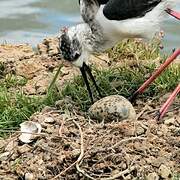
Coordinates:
column 2, row 68
column 176, row 176
column 135, row 50
column 125, row 79
column 16, row 107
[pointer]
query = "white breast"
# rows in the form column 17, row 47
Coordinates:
column 143, row 27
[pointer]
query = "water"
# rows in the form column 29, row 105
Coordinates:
column 30, row 21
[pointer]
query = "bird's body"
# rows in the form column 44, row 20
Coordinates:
column 107, row 22
column 137, row 27
column 103, row 30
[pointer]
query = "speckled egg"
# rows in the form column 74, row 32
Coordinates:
column 112, row 108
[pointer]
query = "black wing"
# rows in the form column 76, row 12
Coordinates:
column 126, row 9
column 100, row 1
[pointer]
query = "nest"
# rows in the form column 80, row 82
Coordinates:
column 71, row 146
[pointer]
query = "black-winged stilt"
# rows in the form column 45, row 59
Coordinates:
column 107, row 22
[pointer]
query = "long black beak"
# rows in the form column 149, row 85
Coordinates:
column 86, row 69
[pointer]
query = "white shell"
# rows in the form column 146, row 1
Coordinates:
column 29, row 130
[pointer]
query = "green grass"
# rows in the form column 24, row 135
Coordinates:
column 16, row 107
column 135, row 50
column 123, row 81
column 126, row 78
column 176, row 176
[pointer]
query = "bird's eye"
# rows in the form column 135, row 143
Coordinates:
column 77, row 55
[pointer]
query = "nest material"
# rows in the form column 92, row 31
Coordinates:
column 73, row 147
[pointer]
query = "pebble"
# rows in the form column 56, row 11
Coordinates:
column 156, row 162
column 140, row 130
column 11, row 145
column 164, row 171
column 152, row 176
column 23, row 149
column 112, row 108
column 4, row 156
column 163, row 130
column 76, row 152
column 49, row 120
column 28, row 176
column 170, row 121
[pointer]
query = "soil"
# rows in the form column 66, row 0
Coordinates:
column 73, row 146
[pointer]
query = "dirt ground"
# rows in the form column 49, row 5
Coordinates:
column 71, row 145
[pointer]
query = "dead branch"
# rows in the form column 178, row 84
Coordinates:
column 122, row 173
column 125, row 141
column 79, row 158
column 81, row 154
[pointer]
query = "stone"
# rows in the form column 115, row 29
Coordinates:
column 38, row 84
column 163, row 130
column 152, row 176
column 49, row 46
column 23, row 149
column 170, row 121
column 4, row 156
column 76, row 152
column 28, row 176
column 11, row 145
column 156, row 162
column 112, row 108
column 42, row 49
column 49, row 120
column 29, row 68
column 164, row 171
column 140, row 130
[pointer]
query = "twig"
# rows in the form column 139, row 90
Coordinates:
column 126, row 140
column 142, row 112
column 79, row 158
column 61, row 128
column 63, row 172
column 55, row 77
column 119, row 174
column 64, row 120
column 122, row 173
column 14, row 131
column 81, row 154
column 82, row 143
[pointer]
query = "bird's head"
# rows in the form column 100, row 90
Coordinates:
column 76, row 45
column 71, row 46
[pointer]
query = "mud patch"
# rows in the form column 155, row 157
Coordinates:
column 72, row 146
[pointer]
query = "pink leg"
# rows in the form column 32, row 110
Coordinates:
column 155, row 74
column 173, row 13
column 169, row 101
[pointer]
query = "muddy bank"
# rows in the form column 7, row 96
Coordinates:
column 76, row 147
column 73, row 146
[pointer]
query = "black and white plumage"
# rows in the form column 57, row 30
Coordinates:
column 107, row 22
